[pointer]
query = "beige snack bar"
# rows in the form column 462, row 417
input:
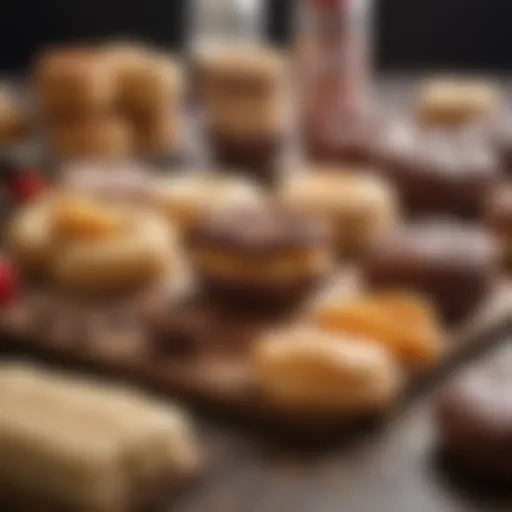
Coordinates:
column 88, row 446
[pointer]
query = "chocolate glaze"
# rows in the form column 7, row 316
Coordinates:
column 256, row 233
column 453, row 264
column 441, row 172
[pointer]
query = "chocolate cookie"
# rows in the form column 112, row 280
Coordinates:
column 260, row 255
column 474, row 417
column 441, row 172
column 452, row 264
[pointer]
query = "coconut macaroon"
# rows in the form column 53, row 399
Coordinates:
column 260, row 255
column 188, row 199
column 499, row 218
column 303, row 369
column 359, row 205
column 450, row 101
column 245, row 105
column 74, row 444
column 87, row 245
column 74, row 81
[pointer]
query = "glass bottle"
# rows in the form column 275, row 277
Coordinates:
column 334, row 68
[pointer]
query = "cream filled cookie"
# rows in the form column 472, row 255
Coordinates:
column 261, row 255
column 86, row 245
column 188, row 199
column 304, row 369
column 358, row 206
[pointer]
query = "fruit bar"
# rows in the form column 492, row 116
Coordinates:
column 79, row 445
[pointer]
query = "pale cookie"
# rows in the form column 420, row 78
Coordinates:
column 307, row 370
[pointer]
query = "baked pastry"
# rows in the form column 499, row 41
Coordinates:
column 188, row 199
column 73, row 82
column 499, row 218
column 440, row 172
column 91, row 138
column 451, row 102
column 14, row 122
column 473, row 417
column 245, row 107
column 86, row 245
column 358, row 205
column 148, row 81
column 81, row 445
column 403, row 323
column 260, row 255
column 306, row 370
column 452, row 264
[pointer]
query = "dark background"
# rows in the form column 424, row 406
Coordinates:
column 410, row 34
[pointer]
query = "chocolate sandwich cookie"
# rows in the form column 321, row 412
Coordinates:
column 474, row 417
column 260, row 255
column 499, row 218
column 245, row 107
column 441, row 172
column 452, row 264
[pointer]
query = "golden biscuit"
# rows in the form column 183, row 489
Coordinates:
column 308, row 370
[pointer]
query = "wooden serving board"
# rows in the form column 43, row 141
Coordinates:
column 193, row 350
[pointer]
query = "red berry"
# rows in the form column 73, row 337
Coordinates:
column 8, row 283
column 28, row 184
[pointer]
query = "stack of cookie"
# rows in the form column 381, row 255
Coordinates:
column 244, row 95
column 107, row 102
column 76, row 94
